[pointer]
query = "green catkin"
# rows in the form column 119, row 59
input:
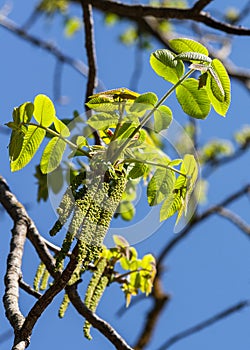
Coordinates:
column 109, row 206
column 38, row 276
column 44, row 280
column 67, row 204
column 64, row 305
column 81, row 208
column 95, row 290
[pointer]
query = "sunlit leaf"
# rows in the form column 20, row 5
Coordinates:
column 162, row 118
column 163, row 63
column 193, row 56
column 31, row 142
column 219, row 90
column 103, row 121
column 44, row 110
column 52, row 155
column 160, row 186
column 181, row 45
column 194, row 101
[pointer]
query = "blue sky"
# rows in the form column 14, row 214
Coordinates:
column 207, row 272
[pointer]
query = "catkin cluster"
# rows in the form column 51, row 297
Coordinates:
column 95, row 290
column 90, row 209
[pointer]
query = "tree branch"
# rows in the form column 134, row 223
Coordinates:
column 200, row 5
column 202, row 325
column 141, row 11
column 234, row 219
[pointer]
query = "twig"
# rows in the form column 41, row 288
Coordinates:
column 200, row 4
column 90, row 48
column 234, row 219
column 28, row 289
column 200, row 326
column 91, row 55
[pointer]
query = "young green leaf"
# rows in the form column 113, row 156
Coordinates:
column 160, row 186
column 186, row 45
column 61, row 128
column 163, row 63
column 144, row 102
column 162, row 118
column 194, row 101
column 31, row 142
column 103, row 103
column 52, row 155
column 219, row 89
column 189, row 167
column 103, row 121
column 120, row 241
column 44, row 110
column 193, row 56
column 170, row 206
column 138, row 170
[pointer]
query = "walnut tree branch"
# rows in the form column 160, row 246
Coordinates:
column 136, row 12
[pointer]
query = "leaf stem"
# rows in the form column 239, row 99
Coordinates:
column 56, row 134
column 134, row 160
column 150, row 113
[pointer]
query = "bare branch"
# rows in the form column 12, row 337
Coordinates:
column 159, row 301
column 202, row 325
column 234, row 219
column 135, row 12
column 14, row 260
column 28, row 289
column 200, row 5
column 90, row 48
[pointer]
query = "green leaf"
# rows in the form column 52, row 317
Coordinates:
column 126, row 210
column 219, row 90
column 103, row 103
column 52, row 155
column 61, row 128
column 81, row 141
column 163, row 63
column 138, row 170
column 175, row 162
column 162, row 118
column 120, row 241
column 144, row 102
column 186, row 45
column 25, row 112
column 16, row 143
column 103, row 121
column 193, row 56
column 160, row 186
column 31, row 142
column 189, row 167
column 194, row 101
column 183, row 188
column 44, row 110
